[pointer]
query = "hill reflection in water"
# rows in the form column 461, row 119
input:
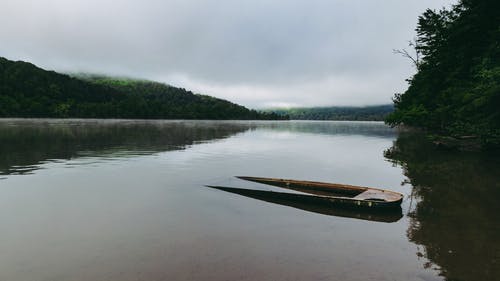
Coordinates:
column 24, row 144
column 27, row 143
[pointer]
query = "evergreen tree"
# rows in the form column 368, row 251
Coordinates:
column 456, row 89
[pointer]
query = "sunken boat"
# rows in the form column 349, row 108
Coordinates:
column 329, row 194
column 312, row 204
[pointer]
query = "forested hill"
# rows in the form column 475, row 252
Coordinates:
column 367, row 113
column 456, row 90
column 29, row 91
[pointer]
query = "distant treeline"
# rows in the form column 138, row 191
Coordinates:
column 456, row 90
column 368, row 113
column 29, row 91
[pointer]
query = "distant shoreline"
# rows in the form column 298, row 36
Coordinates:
column 177, row 120
column 336, row 113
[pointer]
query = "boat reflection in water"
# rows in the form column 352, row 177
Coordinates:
column 311, row 204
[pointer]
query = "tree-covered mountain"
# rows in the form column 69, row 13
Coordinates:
column 29, row 91
column 367, row 113
column 456, row 90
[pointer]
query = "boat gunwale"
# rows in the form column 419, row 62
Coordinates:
column 326, row 185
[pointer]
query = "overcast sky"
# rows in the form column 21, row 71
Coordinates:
column 256, row 53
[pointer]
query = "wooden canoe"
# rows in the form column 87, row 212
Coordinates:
column 337, row 194
column 316, row 204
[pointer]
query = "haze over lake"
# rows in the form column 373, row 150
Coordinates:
column 125, row 200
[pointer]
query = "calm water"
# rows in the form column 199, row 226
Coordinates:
column 125, row 200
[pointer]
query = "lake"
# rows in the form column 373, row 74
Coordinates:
column 126, row 200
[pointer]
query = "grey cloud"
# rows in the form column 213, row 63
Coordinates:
column 278, row 48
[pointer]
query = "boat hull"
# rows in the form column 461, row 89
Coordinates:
column 338, row 194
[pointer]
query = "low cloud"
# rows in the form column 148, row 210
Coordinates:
column 330, row 91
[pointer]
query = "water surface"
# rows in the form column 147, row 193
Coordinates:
column 125, row 200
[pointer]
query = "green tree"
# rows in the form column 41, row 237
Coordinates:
column 456, row 89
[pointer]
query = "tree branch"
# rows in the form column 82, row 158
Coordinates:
column 415, row 59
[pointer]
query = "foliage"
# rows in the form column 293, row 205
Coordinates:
column 28, row 91
column 456, row 90
column 368, row 113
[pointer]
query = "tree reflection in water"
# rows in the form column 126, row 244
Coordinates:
column 24, row 144
column 457, row 215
